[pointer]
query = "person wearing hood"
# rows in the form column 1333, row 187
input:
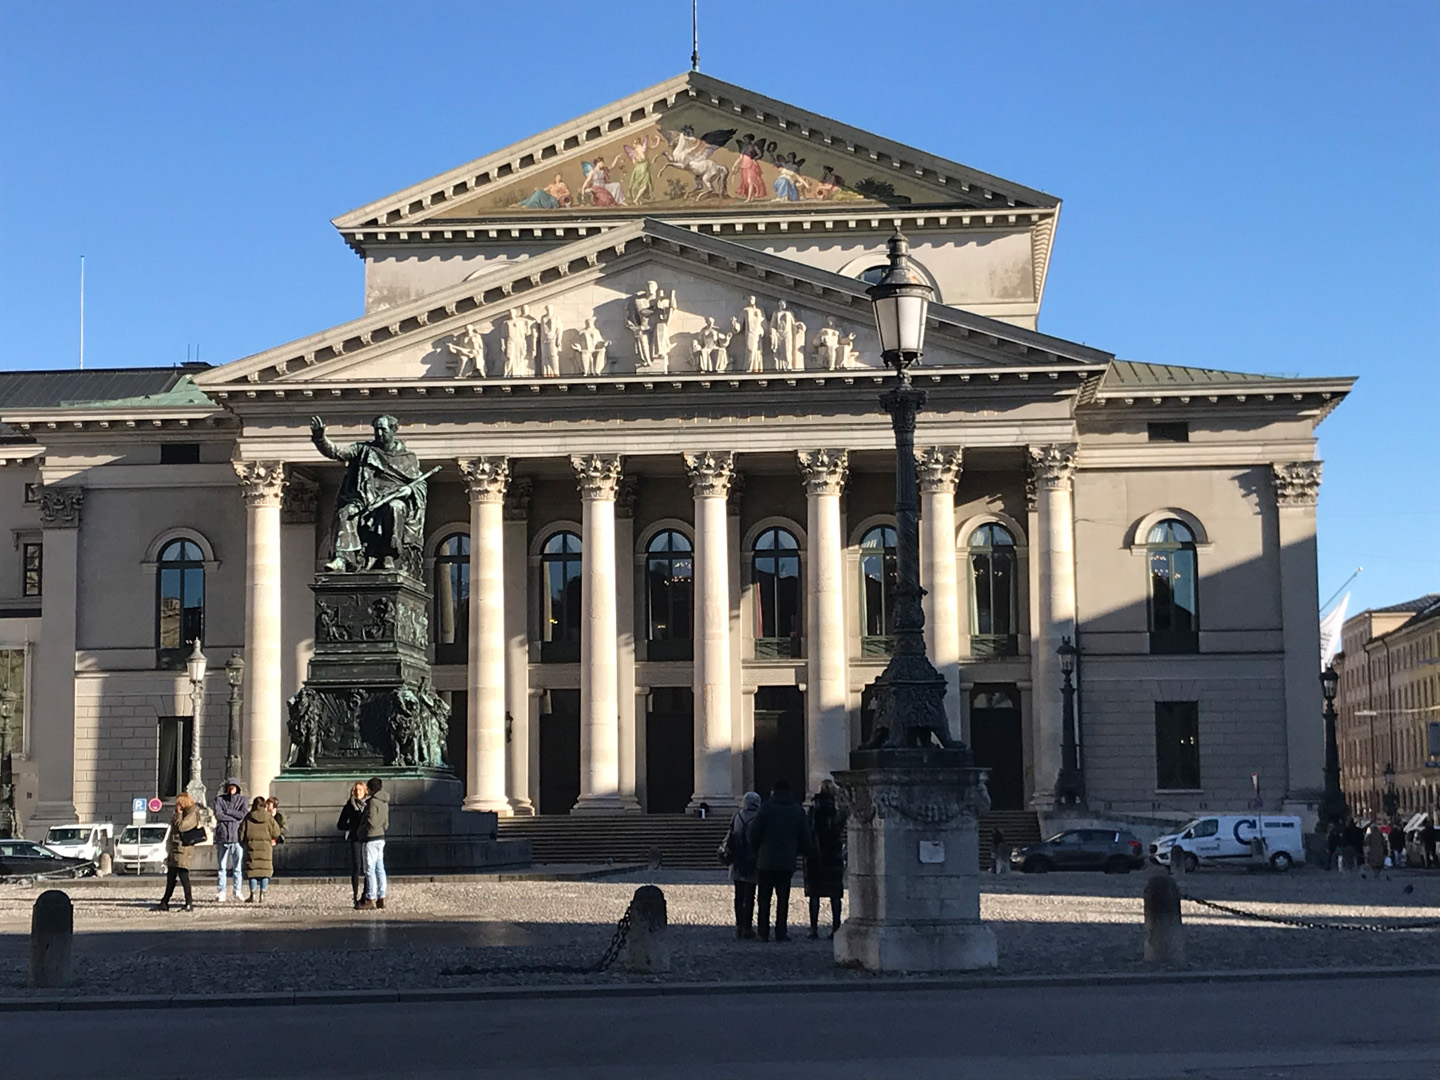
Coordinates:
column 372, row 832
column 352, row 817
column 825, row 865
column 258, row 834
column 778, row 835
column 230, row 809
column 742, row 864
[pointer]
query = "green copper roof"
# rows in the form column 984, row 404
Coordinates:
column 183, row 393
column 1132, row 373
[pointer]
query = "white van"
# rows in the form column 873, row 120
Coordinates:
column 83, row 841
column 1228, row 838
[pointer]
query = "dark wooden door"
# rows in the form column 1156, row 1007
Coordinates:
column 560, row 753
column 457, row 740
column 997, row 743
column 779, row 738
column 670, row 750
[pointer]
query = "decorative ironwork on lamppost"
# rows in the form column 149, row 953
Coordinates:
column 195, row 668
column 1070, row 784
column 9, row 820
column 235, row 676
column 1392, row 797
column 910, row 694
column 1333, row 808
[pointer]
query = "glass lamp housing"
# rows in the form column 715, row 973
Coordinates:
column 1066, row 652
column 902, row 303
column 195, row 665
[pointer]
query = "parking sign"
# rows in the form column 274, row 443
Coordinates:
column 138, row 810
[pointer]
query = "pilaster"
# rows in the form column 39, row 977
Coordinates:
column 827, row 719
column 1297, row 490
column 625, row 496
column 517, row 650
column 1053, row 468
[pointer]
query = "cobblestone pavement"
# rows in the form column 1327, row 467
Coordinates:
column 305, row 937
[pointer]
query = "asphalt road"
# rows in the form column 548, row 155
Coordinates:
column 1313, row 1028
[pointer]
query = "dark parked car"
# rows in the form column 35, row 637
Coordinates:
column 1110, row 850
column 26, row 859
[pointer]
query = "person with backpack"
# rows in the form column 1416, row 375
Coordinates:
column 778, row 836
column 736, row 853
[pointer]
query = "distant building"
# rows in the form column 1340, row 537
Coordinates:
column 1389, row 693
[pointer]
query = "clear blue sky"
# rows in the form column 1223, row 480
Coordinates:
column 1246, row 186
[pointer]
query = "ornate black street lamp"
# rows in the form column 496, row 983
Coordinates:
column 1333, row 809
column 1069, row 785
column 1392, row 797
column 235, row 676
column 910, row 694
column 9, row 820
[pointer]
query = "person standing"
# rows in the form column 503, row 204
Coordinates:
column 372, row 832
column 259, row 834
column 742, row 864
column 1375, row 849
column 825, row 864
column 180, row 850
column 230, row 809
column 352, row 819
column 1354, row 844
column 778, row 835
column 1427, row 841
column 273, row 805
column 1397, row 845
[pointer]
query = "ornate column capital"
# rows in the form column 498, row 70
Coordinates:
column 938, row 468
column 1297, row 483
column 824, row 471
column 517, row 498
column 263, row 482
column 486, row 478
column 60, row 507
column 297, row 506
column 1052, row 465
column 625, row 496
column 598, row 475
column 710, row 472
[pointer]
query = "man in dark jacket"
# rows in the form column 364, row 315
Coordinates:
column 778, row 836
column 230, row 811
column 377, row 820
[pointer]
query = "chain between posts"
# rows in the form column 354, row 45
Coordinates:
column 1432, row 924
column 607, row 959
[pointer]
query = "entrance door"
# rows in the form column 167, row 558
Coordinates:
column 457, row 737
column 560, row 753
column 997, row 743
column 670, row 750
column 779, row 738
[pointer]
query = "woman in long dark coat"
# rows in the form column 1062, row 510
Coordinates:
column 258, row 834
column 825, row 869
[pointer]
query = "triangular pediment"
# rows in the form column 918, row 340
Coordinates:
column 460, row 333
column 693, row 143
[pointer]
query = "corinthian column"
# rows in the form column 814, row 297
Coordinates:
column 1053, row 468
column 710, row 475
column 827, row 716
column 1297, row 490
column 263, row 484
column 938, row 468
column 598, row 476
column 486, row 479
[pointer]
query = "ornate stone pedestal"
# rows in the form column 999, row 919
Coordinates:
column 914, row 872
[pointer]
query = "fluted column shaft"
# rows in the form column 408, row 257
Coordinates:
column 939, row 471
column 710, row 475
column 827, row 717
column 486, row 478
column 517, row 650
column 263, row 483
column 598, row 476
column 1053, row 467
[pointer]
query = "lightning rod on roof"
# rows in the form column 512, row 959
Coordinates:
column 694, row 35
column 82, row 312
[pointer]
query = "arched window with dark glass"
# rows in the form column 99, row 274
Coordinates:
column 180, row 601
column 994, row 597
column 452, row 599
column 560, row 564
column 877, row 591
column 775, row 571
column 1174, row 588
column 670, row 590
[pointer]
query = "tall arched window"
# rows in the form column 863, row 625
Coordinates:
column 775, row 565
column 670, row 587
column 180, row 601
column 1174, row 589
column 452, row 599
column 560, row 565
column 994, row 599
column 877, row 590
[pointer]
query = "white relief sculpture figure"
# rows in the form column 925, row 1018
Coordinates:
column 783, row 339
column 469, row 353
column 517, row 343
column 753, row 322
column 591, row 348
column 710, row 346
column 797, row 347
column 649, row 320
column 551, row 332
column 832, row 348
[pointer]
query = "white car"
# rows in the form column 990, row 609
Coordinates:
column 83, row 841
column 141, row 848
column 1229, row 838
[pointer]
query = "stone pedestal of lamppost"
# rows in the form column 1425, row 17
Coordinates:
column 915, row 796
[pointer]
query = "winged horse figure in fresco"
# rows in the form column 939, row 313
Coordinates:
column 694, row 154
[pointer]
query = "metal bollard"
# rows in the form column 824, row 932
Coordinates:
column 648, row 944
column 52, row 934
column 105, row 866
column 1164, row 933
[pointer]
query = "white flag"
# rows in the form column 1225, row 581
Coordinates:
column 1330, row 631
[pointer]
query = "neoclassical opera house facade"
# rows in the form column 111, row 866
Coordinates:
column 660, row 543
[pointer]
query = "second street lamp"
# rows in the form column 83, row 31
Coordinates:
column 1069, row 785
column 1333, row 809
column 195, row 668
column 235, row 676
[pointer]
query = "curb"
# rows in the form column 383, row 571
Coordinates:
column 575, row 873
column 691, row 989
